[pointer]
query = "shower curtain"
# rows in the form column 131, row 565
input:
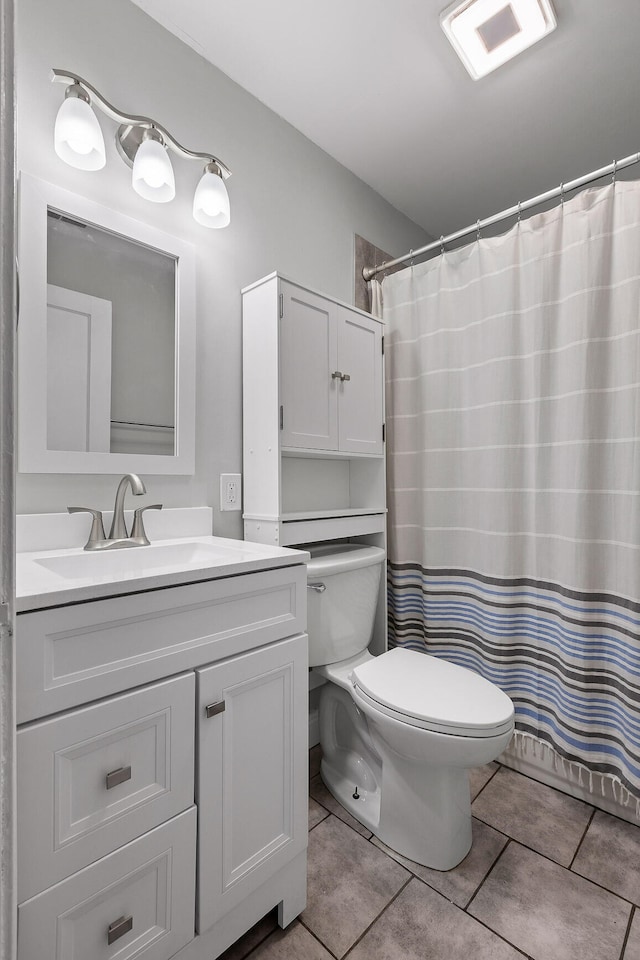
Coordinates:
column 513, row 412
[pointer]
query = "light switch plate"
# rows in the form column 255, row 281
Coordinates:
column 231, row 491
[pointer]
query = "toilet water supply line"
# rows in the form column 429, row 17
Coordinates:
column 369, row 272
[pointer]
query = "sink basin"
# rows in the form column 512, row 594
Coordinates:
column 133, row 561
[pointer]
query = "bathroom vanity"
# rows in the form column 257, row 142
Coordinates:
column 161, row 747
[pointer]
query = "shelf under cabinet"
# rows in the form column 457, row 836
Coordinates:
column 310, row 526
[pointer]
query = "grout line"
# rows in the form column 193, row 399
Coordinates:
column 570, row 867
column 317, row 938
column 626, row 936
column 499, row 767
column 508, row 841
column 499, row 936
column 384, row 909
column 489, row 871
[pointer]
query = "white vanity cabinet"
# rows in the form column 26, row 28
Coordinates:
column 313, row 416
column 126, row 847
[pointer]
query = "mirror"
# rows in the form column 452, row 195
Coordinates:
column 106, row 340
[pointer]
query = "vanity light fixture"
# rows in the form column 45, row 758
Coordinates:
column 78, row 138
column 487, row 33
column 142, row 143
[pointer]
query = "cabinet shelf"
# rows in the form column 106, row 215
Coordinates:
column 331, row 514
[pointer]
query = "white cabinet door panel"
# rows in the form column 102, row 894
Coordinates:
column 252, row 772
column 143, row 892
column 360, row 397
column 308, row 357
column 93, row 779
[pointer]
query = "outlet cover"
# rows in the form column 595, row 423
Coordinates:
column 231, row 491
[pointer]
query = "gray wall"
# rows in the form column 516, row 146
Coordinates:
column 294, row 209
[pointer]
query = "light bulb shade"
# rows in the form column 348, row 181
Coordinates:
column 153, row 175
column 78, row 138
column 211, row 200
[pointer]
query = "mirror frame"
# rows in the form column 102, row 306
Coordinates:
column 35, row 198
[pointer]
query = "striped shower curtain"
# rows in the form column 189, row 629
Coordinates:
column 513, row 408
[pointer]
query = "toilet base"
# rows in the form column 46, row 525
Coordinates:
column 420, row 810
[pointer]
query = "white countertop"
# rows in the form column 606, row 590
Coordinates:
column 48, row 578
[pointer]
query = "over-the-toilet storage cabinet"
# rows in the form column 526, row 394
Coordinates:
column 126, row 848
column 313, row 420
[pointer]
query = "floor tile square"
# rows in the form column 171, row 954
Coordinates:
column 320, row 794
column 316, row 813
column 349, row 883
column 459, row 884
column 632, row 949
column 422, row 925
column 480, row 776
column 610, row 855
column 548, row 912
column 539, row 816
column 294, row 943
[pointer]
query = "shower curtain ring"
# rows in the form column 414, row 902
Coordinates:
column 478, row 230
column 519, row 209
column 410, row 258
column 615, row 167
column 442, row 245
column 562, row 193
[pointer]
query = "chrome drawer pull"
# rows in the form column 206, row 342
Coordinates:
column 121, row 775
column 336, row 375
column 214, row 709
column 346, row 376
column 118, row 928
column 318, row 587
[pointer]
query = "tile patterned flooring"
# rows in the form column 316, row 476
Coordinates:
column 548, row 878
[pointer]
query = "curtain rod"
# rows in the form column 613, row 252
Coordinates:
column 369, row 272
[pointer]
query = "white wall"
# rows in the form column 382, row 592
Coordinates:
column 294, row 209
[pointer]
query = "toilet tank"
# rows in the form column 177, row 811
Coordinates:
column 342, row 592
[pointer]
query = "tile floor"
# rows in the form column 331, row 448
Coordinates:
column 548, row 877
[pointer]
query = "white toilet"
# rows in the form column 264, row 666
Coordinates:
column 399, row 731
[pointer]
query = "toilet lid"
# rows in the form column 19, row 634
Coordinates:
column 434, row 693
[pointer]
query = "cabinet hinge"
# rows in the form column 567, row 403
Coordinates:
column 384, row 432
column 282, row 418
column 383, row 346
column 281, row 298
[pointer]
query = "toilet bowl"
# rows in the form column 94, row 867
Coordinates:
column 399, row 731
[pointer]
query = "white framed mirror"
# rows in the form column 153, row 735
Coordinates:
column 106, row 339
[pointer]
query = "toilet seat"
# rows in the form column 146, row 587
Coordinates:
column 425, row 691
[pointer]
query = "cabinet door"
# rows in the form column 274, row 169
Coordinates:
column 360, row 397
column 308, row 357
column 252, row 772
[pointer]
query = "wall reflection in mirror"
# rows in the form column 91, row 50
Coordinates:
column 111, row 341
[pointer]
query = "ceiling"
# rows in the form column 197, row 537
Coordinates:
column 376, row 85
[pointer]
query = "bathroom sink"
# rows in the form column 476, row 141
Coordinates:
column 53, row 577
column 133, row 561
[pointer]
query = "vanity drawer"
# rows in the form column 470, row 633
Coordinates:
column 70, row 655
column 144, row 893
column 93, row 779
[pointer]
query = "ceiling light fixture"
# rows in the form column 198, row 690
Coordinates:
column 487, row 33
column 143, row 144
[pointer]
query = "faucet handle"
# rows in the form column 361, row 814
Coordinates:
column 97, row 527
column 137, row 530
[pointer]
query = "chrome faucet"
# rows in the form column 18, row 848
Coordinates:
column 118, row 526
column 118, row 534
